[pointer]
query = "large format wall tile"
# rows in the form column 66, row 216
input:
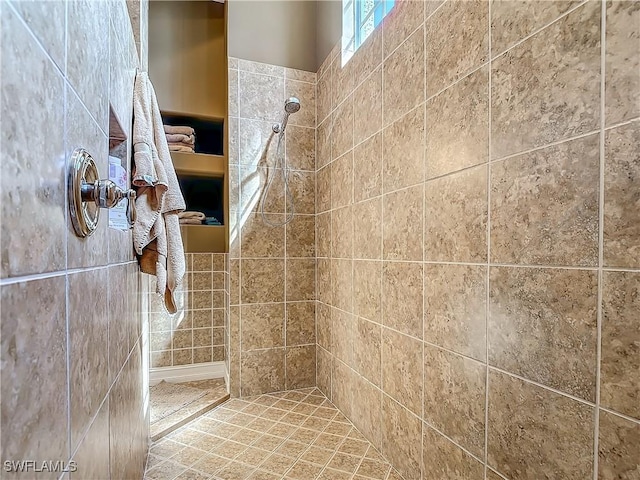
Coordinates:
column 620, row 363
column 34, row 371
column 91, row 461
column 622, row 61
column 403, row 78
column 367, row 114
column 402, row 297
column 367, row 290
column 27, row 107
column 455, row 217
column 443, row 459
column 402, row 20
column 263, row 371
column 536, row 433
column 542, row 326
column 622, row 197
column 457, row 42
column 618, row 448
column 367, row 350
column 261, row 96
column 402, row 369
column 454, row 397
column 455, row 308
column 367, row 168
column 403, row 152
column 402, row 215
column 262, row 280
column 548, row 88
column 401, row 432
column 367, row 234
column 544, row 206
column 262, row 326
column 511, row 20
column 457, row 130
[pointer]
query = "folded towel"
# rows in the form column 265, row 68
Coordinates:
column 181, row 138
column 182, row 130
column 190, row 221
column 156, row 232
column 180, row 144
column 211, row 221
column 192, row 215
column 180, row 148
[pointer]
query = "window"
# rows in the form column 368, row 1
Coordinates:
column 359, row 19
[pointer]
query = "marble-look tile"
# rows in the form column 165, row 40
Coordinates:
column 262, row 280
column 233, row 134
column 443, row 459
column 323, row 96
column 622, row 61
column 323, row 325
column 323, row 371
column 402, row 297
column 544, row 206
column 253, row 184
column 27, row 107
column 455, row 308
column 454, row 397
column 88, row 351
column 511, row 21
column 323, row 189
column 343, row 83
column 83, row 132
column 301, row 362
column 342, row 335
column 367, row 57
column 262, row 326
column 621, row 197
column 257, row 144
column 367, row 114
column 300, row 323
column 303, row 187
column 457, row 39
column 620, row 363
column 92, row 457
column 455, row 217
column 342, row 181
column 262, row 68
column 367, row 231
column 301, row 236
column 301, row 279
column 301, row 75
column 121, row 319
column 400, row 22
column 261, row 96
column 301, row 147
column 342, row 233
column 324, row 290
column 402, row 214
column 402, row 369
column 367, row 412
column 367, row 349
column 341, row 130
column 536, row 433
column 542, row 326
column 324, row 134
column 532, row 104
column 341, row 392
column 34, row 370
column 233, row 103
column 618, row 448
column 403, row 151
column 263, row 371
column 306, row 93
column 367, row 290
column 323, row 234
column 457, row 130
column 401, row 438
column 87, row 70
column 403, row 78
column 259, row 239
column 48, row 21
column 367, row 168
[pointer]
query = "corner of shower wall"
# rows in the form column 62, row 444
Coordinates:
column 271, row 315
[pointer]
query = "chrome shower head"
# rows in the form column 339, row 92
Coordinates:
column 291, row 105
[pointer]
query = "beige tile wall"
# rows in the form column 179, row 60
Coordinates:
column 72, row 323
column 478, row 270
column 195, row 334
column 272, row 269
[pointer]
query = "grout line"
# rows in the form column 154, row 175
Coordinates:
column 58, row 273
column 599, row 316
column 620, row 415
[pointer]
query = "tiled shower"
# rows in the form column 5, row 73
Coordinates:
column 456, row 297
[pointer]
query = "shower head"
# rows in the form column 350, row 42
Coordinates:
column 291, row 105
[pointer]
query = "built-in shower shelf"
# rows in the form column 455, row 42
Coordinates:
column 199, row 164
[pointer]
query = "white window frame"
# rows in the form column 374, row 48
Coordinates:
column 354, row 20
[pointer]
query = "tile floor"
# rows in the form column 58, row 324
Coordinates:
column 296, row 435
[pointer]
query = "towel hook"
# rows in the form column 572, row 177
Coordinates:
column 88, row 194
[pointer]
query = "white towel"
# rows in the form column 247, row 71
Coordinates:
column 182, row 130
column 156, row 232
column 180, row 138
column 192, row 215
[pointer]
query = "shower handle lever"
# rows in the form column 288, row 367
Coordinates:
column 106, row 194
